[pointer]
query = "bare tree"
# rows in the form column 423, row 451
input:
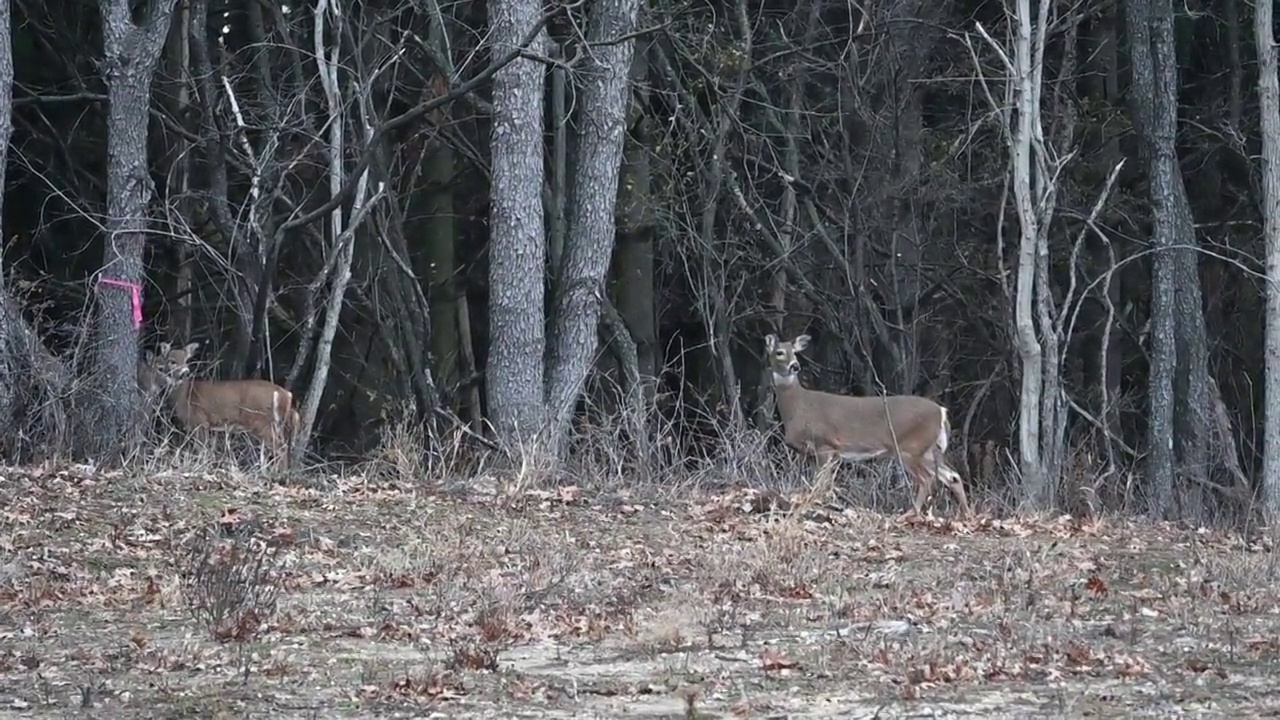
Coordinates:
column 130, row 54
column 517, row 247
column 1034, row 166
column 599, row 132
column 342, row 232
column 1153, row 103
column 1269, row 96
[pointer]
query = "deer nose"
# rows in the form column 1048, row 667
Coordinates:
column 793, row 367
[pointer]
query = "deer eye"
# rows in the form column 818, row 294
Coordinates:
column 780, row 355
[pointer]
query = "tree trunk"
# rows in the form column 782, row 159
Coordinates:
column 599, row 132
column 1156, row 119
column 1030, row 351
column 1193, row 387
column 517, row 247
column 1269, row 95
column 438, row 243
column 343, row 234
column 131, row 53
column 633, row 258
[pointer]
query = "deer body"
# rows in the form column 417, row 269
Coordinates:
column 913, row 429
column 262, row 408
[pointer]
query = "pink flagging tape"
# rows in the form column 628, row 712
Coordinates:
column 135, row 294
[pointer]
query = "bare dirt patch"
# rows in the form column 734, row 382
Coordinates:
column 404, row 603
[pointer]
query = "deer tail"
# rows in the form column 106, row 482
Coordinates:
column 285, row 419
column 291, row 423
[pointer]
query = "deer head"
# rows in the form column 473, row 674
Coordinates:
column 782, row 357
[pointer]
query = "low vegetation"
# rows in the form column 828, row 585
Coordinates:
column 398, row 589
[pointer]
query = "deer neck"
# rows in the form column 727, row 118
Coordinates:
column 787, row 391
column 179, row 395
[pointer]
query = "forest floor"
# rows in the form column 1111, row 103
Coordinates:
column 396, row 602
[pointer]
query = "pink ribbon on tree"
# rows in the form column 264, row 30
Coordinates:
column 135, row 294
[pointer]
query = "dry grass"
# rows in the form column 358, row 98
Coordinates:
column 516, row 600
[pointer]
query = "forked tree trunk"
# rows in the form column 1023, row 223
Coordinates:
column 1030, row 351
column 131, row 52
column 1179, row 382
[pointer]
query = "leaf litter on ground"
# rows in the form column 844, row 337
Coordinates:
column 558, row 603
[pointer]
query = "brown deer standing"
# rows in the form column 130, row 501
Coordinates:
column 830, row 426
column 259, row 407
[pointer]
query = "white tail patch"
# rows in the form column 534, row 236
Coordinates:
column 944, row 434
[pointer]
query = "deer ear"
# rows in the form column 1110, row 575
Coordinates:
column 191, row 348
column 770, row 342
column 801, row 342
column 148, row 357
column 164, row 348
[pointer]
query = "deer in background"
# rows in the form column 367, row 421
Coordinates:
column 913, row 429
column 262, row 408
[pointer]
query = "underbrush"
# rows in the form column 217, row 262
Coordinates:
column 652, row 577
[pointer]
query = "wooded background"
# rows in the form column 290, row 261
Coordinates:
column 1046, row 216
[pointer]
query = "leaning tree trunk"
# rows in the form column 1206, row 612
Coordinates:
column 632, row 339
column 1269, row 95
column 599, row 131
column 131, row 53
column 343, row 233
column 517, row 249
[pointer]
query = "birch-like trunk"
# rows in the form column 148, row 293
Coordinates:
column 342, row 233
column 1269, row 96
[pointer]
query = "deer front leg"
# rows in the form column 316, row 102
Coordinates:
column 923, row 477
column 955, row 484
column 271, row 443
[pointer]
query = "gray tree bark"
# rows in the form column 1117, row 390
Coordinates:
column 33, row 411
column 1269, row 96
column 517, row 248
column 633, row 258
column 6, row 102
column 1179, row 380
column 131, row 52
column 599, row 131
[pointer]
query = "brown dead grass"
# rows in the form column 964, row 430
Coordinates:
column 557, row 603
